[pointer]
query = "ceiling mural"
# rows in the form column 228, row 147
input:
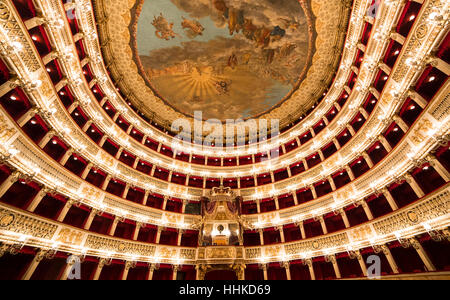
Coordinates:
column 227, row 58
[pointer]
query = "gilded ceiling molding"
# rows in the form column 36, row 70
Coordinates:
column 360, row 11
column 115, row 38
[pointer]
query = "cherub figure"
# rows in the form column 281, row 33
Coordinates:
column 164, row 30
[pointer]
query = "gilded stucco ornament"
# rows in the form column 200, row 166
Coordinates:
column 6, row 219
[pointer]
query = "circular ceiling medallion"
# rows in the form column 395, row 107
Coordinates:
column 228, row 59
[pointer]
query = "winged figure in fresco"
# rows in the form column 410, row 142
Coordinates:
column 164, row 29
column 193, row 28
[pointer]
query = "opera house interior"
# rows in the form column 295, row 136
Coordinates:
column 134, row 144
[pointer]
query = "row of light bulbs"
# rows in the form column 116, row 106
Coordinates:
column 208, row 173
column 430, row 227
column 113, row 95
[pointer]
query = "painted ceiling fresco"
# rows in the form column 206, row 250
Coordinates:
column 229, row 59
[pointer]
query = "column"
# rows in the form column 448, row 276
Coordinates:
column 398, row 37
column 27, row 116
column 66, row 157
column 144, row 201
column 305, row 164
column 180, row 236
column 308, row 262
column 385, row 143
column 385, row 68
column 130, row 127
column 288, row 169
column 332, row 184
column 280, row 229
column 101, row 264
column 367, row 159
column 37, row 199
column 34, row 264
column 332, row 259
column 90, row 219
column 361, row 261
column 288, row 270
column 418, row 98
column 152, row 172
column 200, row 272
column 106, row 182
column 375, row 93
column 126, row 270
column 158, row 235
column 401, row 123
column 338, row 107
column 322, row 223
column 258, row 206
column 277, row 204
column 367, row 210
column 62, row 83
column 440, row 169
column 12, row 178
column 322, row 157
column 125, row 191
column 86, row 171
column 390, row 258
column 313, row 191
column 441, row 65
column 264, row 268
column 351, row 130
column 136, row 162
column 350, row 173
column 239, row 269
column 302, row 229
column 183, row 208
column 69, row 265
column 261, row 236
column 336, row 143
column 344, row 218
column 8, row 86
column 363, row 111
column 414, row 185
column 294, row 195
column 73, row 106
column 423, row 255
column 136, row 230
column 151, row 270
column 105, row 99
column 357, row 254
column 87, row 125
column 119, row 153
column 64, row 211
column 166, row 198
column 390, row 199
column 175, row 272
column 102, row 141
column 112, row 230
